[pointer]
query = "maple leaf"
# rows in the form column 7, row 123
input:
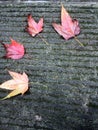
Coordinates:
column 14, row 50
column 69, row 27
column 18, row 83
column 33, row 27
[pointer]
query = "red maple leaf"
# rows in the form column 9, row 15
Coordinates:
column 69, row 27
column 14, row 50
column 33, row 27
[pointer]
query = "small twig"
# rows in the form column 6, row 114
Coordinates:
column 78, row 41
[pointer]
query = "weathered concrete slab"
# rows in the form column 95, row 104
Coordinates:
column 70, row 100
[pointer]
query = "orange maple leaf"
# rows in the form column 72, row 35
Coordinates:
column 18, row 83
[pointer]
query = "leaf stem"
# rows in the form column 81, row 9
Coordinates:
column 43, row 39
column 78, row 41
column 38, row 84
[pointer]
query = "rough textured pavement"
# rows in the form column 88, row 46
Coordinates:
column 64, row 94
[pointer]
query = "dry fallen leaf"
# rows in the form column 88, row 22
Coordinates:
column 18, row 83
column 33, row 27
column 69, row 27
column 14, row 50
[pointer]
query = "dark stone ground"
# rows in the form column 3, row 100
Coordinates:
column 69, row 102
column 18, row 1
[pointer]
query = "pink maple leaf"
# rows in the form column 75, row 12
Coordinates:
column 69, row 27
column 33, row 27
